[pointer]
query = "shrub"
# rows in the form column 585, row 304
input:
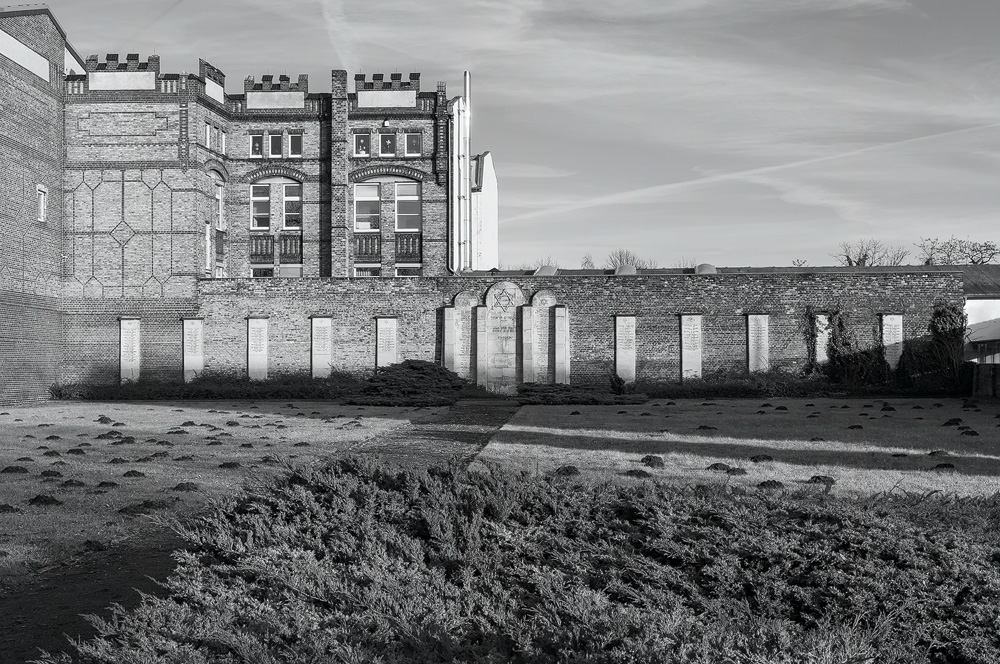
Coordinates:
column 415, row 383
column 358, row 562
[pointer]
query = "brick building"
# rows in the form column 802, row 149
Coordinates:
column 154, row 224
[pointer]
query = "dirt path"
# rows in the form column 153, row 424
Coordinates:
column 41, row 613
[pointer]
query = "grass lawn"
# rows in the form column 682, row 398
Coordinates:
column 867, row 446
column 97, row 459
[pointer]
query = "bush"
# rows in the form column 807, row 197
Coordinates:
column 415, row 383
column 357, row 562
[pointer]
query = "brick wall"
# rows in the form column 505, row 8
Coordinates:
column 723, row 300
column 31, row 138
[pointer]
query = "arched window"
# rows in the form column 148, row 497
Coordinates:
column 276, row 204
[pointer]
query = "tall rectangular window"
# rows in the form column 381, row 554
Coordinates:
column 407, row 206
column 366, row 207
column 208, row 135
column 223, row 146
column 412, row 145
column 387, row 145
column 256, row 145
column 295, row 145
column 274, row 145
column 43, row 202
column 293, row 206
column 220, row 221
column 362, row 145
column 260, row 201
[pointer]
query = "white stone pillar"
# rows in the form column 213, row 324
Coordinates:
column 193, row 341
column 625, row 348
column 321, row 346
column 129, row 349
column 257, row 348
column 691, row 346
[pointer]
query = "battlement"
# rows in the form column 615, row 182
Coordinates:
column 131, row 63
column 378, row 82
column 283, row 84
column 209, row 73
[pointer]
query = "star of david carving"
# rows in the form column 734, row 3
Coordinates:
column 503, row 300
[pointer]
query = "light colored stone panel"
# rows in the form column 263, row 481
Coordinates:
column 625, row 348
column 482, row 347
column 758, row 343
column 528, row 349
column 34, row 62
column 194, row 348
column 387, row 98
column 503, row 366
column 129, row 349
column 822, row 338
column 257, row 348
column 322, row 347
column 562, row 343
column 122, row 80
column 386, row 342
column 691, row 346
column 215, row 91
column 279, row 99
column 892, row 338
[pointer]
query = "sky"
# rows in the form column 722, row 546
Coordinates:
column 731, row 132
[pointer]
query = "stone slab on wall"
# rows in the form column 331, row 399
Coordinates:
column 758, row 343
column 129, row 349
column 321, row 346
column 500, row 352
column 822, row 338
column 459, row 335
column 892, row 338
column 625, row 348
column 256, row 345
column 691, row 346
column 194, row 348
column 386, row 341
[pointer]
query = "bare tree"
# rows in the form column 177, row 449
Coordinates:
column 868, row 252
column 799, row 262
column 619, row 257
column 587, row 262
column 685, row 262
column 954, row 251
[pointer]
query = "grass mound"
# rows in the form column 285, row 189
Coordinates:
column 356, row 562
column 415, row 383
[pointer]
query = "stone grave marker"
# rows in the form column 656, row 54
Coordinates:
column 322, row 346
column 691, row 345
column 625, row 348
column 497, row 361
column 193, row 348
column 892, row 338
column 129, row 349
column 257, row 348
column 758, row 343
column 538, row 338
column 822, row 337
column 386, row 341
column 459, row 334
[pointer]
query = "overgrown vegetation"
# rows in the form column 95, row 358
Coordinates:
column 415, row 383
column 356, row 562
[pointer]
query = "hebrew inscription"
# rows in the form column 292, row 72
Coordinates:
column 194, row 348
column 129, row 351
column 257, row 348
column 691, row 346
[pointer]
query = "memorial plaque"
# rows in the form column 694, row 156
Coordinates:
column 322, row 347
column 502, row 362
column 822, row 337
column 562, row 344
column 482, row 350
column 386, row 342
column 257, row 348
column 194, row 348
column 459, row 333
column 129, row 351
column 892, row 338
column 691, row 346
column 539, row 338
column 528, row 345
column 758, row 344
column 625, row 348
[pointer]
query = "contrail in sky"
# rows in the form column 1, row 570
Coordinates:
column 626, row 196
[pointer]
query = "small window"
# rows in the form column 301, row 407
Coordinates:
column 366, row 207
column 293, row 206
column 260, row 201
column 208, row 135
column 220, row 220
column 220, row 271
column 362, row 145
column 257, row 145
column 290, row 271
column 387, row 145
column 258, row 272
column 222, row 148
column 411, row 271
column 295, row 145
column 407, row 206
column 43, row 202
column 367, row 271
column 413, row 145
column 274, row 145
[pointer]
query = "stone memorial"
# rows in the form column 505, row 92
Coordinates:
column 538, row 338
column 892, row 338
column 459, row 334
column 691, row 344
column 625, row 348
column 758, row 343
column 497, row 361
column 193, row 348
column 822, row 338
column 257, row 348
column 129, row 349
column 386, row 341
column 562, row 344
column 322, row 346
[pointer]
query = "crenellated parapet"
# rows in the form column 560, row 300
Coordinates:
column 379, row 82
column 131, row 63
column 283, row 84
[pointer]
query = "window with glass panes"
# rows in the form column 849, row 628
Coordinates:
column 366, row 207
column 362, row 145
column 412, row 145
column 407, row 206
column 295, row 145
column 260, row 203
column 220, row 220
column 256, row 145
column 387, row 145
column 293, row 205
column 274, row 145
